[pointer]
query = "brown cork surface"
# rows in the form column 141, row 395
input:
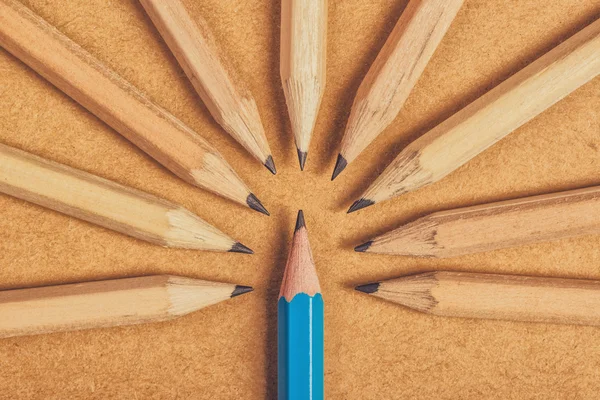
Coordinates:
column 373, row 350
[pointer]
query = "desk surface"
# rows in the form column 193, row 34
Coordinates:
column 373, row 349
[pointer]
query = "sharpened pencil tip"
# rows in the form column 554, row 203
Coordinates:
column 363, row 247
column 240, row 248
column 239, row 290
column 340, row 165
column 255, row 204
column 302, row 158
column 270, row 165
column 368, row 288
column 300, row 221
column 360, row 204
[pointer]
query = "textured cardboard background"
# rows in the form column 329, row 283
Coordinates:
column 373, row 349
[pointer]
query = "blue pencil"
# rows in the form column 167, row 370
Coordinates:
column 300, row 324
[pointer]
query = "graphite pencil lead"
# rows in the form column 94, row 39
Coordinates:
column 239, row 290
column 300, row 221
column 240, row 248
column 255, row 204
column 363, row 247
column 360, row 204
column 270, row 165
column 302, row 158
column 368, row 288
column 340, row 165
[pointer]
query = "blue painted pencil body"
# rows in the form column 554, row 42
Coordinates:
column 300, row 347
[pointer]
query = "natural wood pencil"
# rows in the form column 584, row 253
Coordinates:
column 302, row 66
column 394, row 73
column 106, row 203
column 103, row 304
column 118, row 103
column 494, row 226
column 228, row 100
column 490, row 118
column 489, row 296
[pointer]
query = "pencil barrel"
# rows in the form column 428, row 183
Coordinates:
column 396, row 70
column 303, row 64
column 115, row 101
column 492, row 296
column 84, row 196
column 496, row 225
column 83, row 306
column 492, row 116
column 226, row 97
column 564, row 301
column 300, row 348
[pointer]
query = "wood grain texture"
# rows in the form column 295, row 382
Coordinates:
column 226, row 97
column 303, row 66
column 105, row 203
column 115, row 101
column 234, row 355
column 491, row 117
column 495, row 226
column 396, row 70
column 489, row 296
column 103, row 304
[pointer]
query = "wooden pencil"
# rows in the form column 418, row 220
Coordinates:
column 490, row 118
column 300, row 324
column 302, row 66
column 491, row 296
column 103, row 304
column 228, row 100
column 118, row 103
column 494, row 226
column 394, row 73
column 106, row 203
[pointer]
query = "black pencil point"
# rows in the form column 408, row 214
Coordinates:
column 270, row 165
column 241, row 290
column 302, row 158
column 240, row 248
column 255, row 204
column 340, row 165
column 360, row 204
column 300, row 221
column 368, row 288
column 363, row 247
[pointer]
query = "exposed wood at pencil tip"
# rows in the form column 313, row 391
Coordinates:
column 300, row 275
column 407, row 169
column 413, row 291
column 395, row 72
column 496, row 225
column 215, row 81
column 115, row 101
column 302, row 66
column 105, row 203
column 492, row 116
column 107, row 303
